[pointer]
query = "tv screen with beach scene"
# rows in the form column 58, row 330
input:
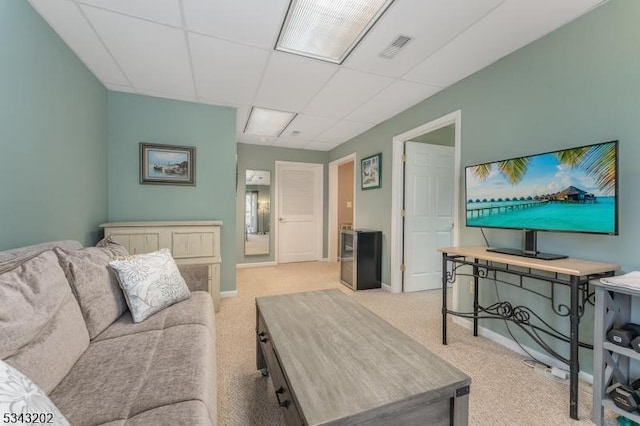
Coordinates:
column 569, row 190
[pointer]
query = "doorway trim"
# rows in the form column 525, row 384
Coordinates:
column 332, row 239
column 397, row 191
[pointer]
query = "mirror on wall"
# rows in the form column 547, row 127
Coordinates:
column 257, row 212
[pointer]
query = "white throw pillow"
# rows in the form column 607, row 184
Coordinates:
column 22, row 402
column 150, row 282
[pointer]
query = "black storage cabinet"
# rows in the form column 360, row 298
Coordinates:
column 361, row 258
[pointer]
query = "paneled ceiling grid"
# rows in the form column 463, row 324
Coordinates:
column 221, row 52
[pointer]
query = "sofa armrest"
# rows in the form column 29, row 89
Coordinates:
column 196, row 276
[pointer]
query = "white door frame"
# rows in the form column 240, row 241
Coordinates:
column 397, row 191
column 319, row 200
column 332, row 239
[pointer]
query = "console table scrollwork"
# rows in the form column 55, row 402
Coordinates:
column 516, row 271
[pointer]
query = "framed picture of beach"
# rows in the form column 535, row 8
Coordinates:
column 167, row 164
column 371, row 172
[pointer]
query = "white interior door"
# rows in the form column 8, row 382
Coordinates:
column 299, row 208
column 428, row 222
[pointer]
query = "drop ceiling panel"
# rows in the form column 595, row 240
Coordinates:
column 256, row 140
column 391, row 101
column 322, row 146
column 159, row 47
column 163, row 11
column 309, row 127
column 302, row 144
column 347, row 90
column 226, row 71
column 291, row 81
column 255, row 22
column 153, row 56
column 343, row 131
column 431, row 24
column 67, row 20
column 484, row 43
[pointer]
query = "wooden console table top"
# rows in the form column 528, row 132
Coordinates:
column 568, row 266
column 345, row 364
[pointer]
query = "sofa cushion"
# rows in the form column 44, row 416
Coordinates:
column 195, row 310
column 142, row 372
column 42, row 332
column 181, row 413
column 9, row 259
column 20, row 396
column 94, row 284
column 150, row 282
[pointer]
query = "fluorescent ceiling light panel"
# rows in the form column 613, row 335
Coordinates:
column 268, row 122
column 328, row 29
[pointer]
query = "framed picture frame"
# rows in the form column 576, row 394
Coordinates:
column 167, row 164
column 371, row 172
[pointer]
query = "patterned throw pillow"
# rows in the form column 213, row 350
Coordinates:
column 22, row 402
column 150, row 282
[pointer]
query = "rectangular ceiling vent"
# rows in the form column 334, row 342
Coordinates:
column 394, row 48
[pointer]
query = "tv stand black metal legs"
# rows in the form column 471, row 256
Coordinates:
column 517, row 271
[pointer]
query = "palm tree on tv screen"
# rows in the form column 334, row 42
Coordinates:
column 598, row 161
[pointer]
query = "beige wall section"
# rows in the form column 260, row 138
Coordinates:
column 345, row 193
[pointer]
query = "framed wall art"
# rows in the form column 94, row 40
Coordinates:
column 167, row 164
column 371, row 172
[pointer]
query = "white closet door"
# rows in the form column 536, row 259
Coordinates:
column 299, row 232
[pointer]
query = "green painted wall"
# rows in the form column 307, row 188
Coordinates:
column 53, row 135
column 258, row 157
column 578, row 85
column 133, row 119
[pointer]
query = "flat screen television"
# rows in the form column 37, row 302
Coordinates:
column 569, row 190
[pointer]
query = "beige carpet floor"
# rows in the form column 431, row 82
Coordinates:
column 504, row 391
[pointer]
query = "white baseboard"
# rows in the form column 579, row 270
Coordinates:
column 386, row 287
column 504, row 341
column 230, row 293
column 254, row 265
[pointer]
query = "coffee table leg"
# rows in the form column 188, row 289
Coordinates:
column 460, row 410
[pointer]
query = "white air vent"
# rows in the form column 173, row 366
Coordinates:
column 396, row 45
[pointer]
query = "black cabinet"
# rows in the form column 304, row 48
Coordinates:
column 360, row 258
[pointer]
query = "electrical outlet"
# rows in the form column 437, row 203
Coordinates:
column 471, row 289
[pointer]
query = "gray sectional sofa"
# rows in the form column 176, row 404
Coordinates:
column 64, row 324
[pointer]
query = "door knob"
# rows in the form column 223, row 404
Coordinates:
column 281, row 219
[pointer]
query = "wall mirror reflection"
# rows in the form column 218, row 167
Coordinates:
column 257, row 212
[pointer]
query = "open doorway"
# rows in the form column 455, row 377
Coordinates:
column 453, row 123
column 342, row 203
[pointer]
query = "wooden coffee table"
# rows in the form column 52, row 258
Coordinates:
column 334, row 362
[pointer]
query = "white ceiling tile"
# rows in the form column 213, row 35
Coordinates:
column 225, row 71
column 256, row 139
column 309, row 127
column 391, row 101
column 163, row 11
column 343, row 131
column 485, row 42
column 347, row 90
column 439, row 22
column 255, row 22
column 68, row 21
column 291, row 81
column 140, row 46
column 321, row 146
column 153, row 56
column 302, row 144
